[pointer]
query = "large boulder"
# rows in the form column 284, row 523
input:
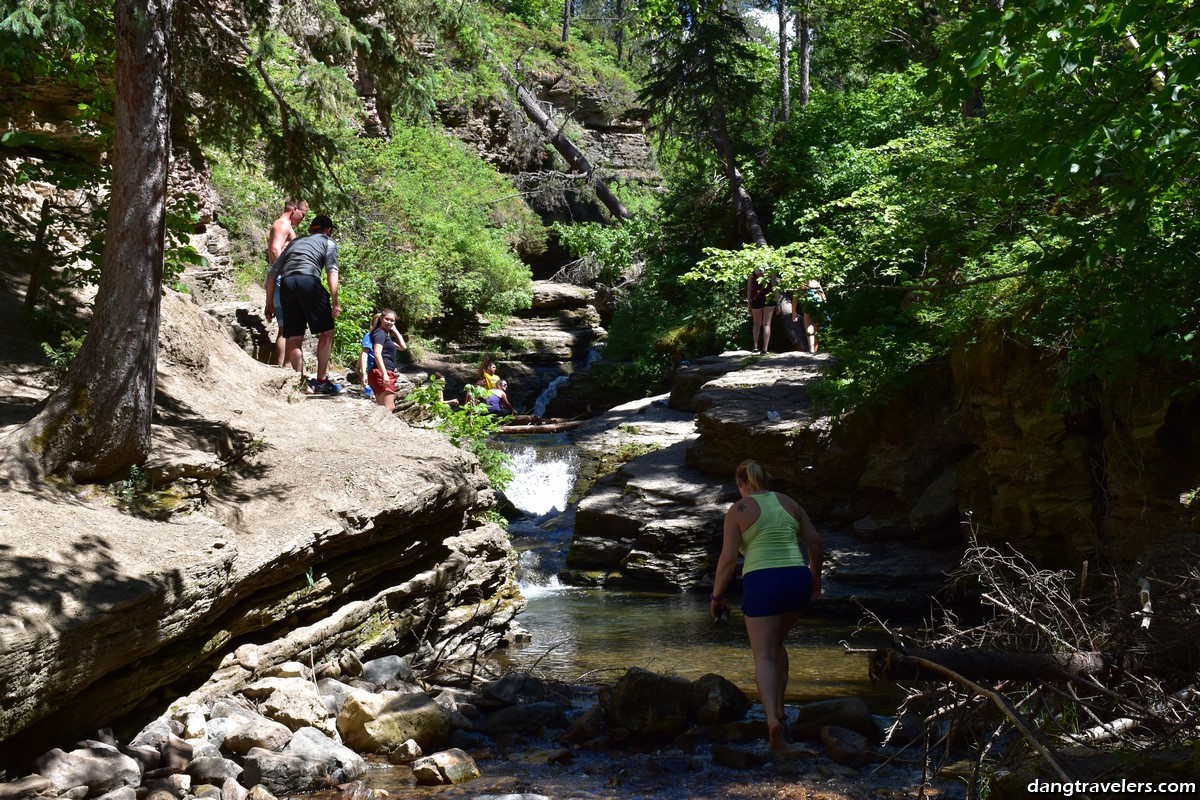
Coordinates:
column 648, row 704
column 341, row 763
column 716, row 700
column 379, row 723
column 294, row 702
column 851, row 713
column 447, row 767
column 100, row 767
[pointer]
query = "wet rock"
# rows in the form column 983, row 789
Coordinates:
column 283, row 773
column 99, row 767
column 388, row 668
column 177, row 785
column 176, row 754
column 740, row 731
column 260, row 792
column 379, row 723
column 846, row 747
column 447, row 767
column 355, row 790
column 527, row 719
column 154, row 735
column 314, row 745
column 740, row 756
column 513, row 689
column 264, row 734
column 845, row 712
column 29, row 786
column 214, row 771
column 232, row 790
column 647, row 703
column 586, row 726
column 556, row 755
column 406, row 753
column 125, row 793
column 716, row 700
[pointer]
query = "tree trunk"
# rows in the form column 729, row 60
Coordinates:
column 743, row 204
column 562, row 144
column 894, row 665
column 566, row 26
column 785, row 90
column 619, row 38
column 40, row 271
column 804, row 51
column 98, row 423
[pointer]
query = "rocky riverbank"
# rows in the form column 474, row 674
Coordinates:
column 373, row 731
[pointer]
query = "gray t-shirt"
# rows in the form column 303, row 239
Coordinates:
column 307, row 255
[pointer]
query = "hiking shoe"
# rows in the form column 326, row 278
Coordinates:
column 310, row 385
column 327, row 387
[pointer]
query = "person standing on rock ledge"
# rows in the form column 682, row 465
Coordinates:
column 282, row 232
column 777, row 582
column 306, row 303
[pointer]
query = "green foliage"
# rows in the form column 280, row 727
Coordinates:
column 610, row 250
column 435, row 237
column 249, row 204
column 62, row 356
column 468, row 428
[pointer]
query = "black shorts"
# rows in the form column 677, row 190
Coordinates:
column 305, row 304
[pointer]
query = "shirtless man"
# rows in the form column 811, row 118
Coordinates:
column 283, row 231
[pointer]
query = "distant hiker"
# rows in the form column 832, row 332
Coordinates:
column 439, row 380
column 811, row 305
column 305, row 301
column 777, row 582
column 763, row 304
column 282, row 232
column 382, row 377
column 366, row 355
column 488, row 377
column 497, row 402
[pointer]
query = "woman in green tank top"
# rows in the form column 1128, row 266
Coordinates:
column 777, row 581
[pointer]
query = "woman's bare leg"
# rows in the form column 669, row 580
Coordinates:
column 387, row 400
column 766, row 644
column 756, row 317
column 767, row 319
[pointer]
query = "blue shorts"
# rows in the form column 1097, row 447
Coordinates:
column 775, row 591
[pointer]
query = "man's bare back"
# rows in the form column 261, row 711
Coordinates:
column 283, row 229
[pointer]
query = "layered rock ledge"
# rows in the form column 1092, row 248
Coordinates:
column 301, row 526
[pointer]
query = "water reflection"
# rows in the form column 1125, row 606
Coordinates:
column 591, row 634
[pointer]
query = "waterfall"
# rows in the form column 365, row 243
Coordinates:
column 551, row 391
column 542, row 479
column 548, row 394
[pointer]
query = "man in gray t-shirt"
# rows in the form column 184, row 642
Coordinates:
column 306, row 303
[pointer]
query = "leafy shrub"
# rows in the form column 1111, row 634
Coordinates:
column 467, row 428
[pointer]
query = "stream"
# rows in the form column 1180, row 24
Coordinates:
column 583, row 635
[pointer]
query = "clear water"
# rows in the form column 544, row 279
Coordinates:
column 590, row 635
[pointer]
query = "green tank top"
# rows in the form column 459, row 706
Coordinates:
column 771, row 540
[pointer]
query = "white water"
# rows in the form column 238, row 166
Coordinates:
column 548, row 394
column 551, row 391
column 542, row 480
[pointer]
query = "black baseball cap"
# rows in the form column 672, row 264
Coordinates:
column 321, row 222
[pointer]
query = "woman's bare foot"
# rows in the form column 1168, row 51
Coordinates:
column 776, row 732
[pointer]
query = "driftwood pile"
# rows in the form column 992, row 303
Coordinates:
column 1060, row 661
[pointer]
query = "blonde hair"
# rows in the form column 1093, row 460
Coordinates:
column 751, row 474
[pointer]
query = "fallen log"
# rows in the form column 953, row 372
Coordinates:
column 888, row 663
column 548, row 427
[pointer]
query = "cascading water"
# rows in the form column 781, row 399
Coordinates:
column 543, row 477
column 550, row 392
